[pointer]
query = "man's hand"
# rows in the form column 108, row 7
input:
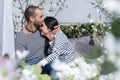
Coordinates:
column 39, row 65
column 56, row 29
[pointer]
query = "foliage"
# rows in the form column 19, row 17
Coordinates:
column 98, row 4
column 116, row 27
column 76, row 31
column 79, row 69
column 21, row 5
column 36, row 70
column 108, row 67
column 18, row 70
column 96, row 52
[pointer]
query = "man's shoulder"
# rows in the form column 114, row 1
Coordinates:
column 20, row 34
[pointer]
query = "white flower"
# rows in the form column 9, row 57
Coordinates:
column 59, row 74
column 26, row 72
column 101, row 59
column 91, row 20
column 21, row 55
column 28, row 75
column 71, row 27
column 7, row 69
column 32, row 2
column 95, row 29
column 33, row 77
column 112, row 5
column 79, row 69
column 111, row 44
column 98, row 10
column 117, row 63
column 59, row 66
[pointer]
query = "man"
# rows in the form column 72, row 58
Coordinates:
column 29, row 37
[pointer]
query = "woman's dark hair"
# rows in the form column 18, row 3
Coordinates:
column 51, row 22
column 46, row 47
column 30, row 11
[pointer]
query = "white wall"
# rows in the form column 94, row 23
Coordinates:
column 1, row 24
column 77, row 11
column 6, row 31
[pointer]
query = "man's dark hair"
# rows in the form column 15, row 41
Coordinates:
column 30, row 11
column 51, row 22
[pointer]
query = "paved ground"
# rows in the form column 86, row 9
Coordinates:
column 82, row 45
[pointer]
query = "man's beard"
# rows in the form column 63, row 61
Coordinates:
column 37, row 26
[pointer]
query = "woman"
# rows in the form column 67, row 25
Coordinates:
column 61, row 48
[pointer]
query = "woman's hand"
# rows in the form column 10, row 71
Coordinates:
column 39, row 64
column 56, row 29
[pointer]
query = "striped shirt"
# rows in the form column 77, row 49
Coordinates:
column 62, row 49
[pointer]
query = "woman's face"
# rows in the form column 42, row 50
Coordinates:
column 44, row 29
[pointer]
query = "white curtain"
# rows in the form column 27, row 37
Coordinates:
column 6, row 32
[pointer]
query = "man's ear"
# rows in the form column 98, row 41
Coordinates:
column 32, row 19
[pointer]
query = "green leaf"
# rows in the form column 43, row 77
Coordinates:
column 94, row 33
column 18, row 16
column 51, row 2
column 50, row 10
column 96, row 23
column 43, row 1
column 89, row 15
column 57, row 3
column 6, row 55
column 68, row 77
column 36, row 70
column 14, row 0
column 108, row 67
column 116, row 28
column 100, row 1
column 4, row 74
column 96, row 52
column 60, row 8
column 59, row 0
column 44, row 77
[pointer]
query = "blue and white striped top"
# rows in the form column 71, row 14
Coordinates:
column 62, row 49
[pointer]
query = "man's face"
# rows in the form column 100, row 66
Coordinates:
column 38, row 18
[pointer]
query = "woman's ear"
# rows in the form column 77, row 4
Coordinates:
column 54, row 31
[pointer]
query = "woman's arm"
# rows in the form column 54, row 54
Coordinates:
column 58, row 48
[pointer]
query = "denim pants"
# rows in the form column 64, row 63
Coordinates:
column 45, row 70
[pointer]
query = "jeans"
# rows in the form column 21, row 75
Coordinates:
column 45, row 70
column 34, row 61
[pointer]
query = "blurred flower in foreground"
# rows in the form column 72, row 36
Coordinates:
column 112, row 62
column 76, row 70
column 112, row 5
column 28, row 75
column 7, row 73
column 21, row 55
column 111, row 44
